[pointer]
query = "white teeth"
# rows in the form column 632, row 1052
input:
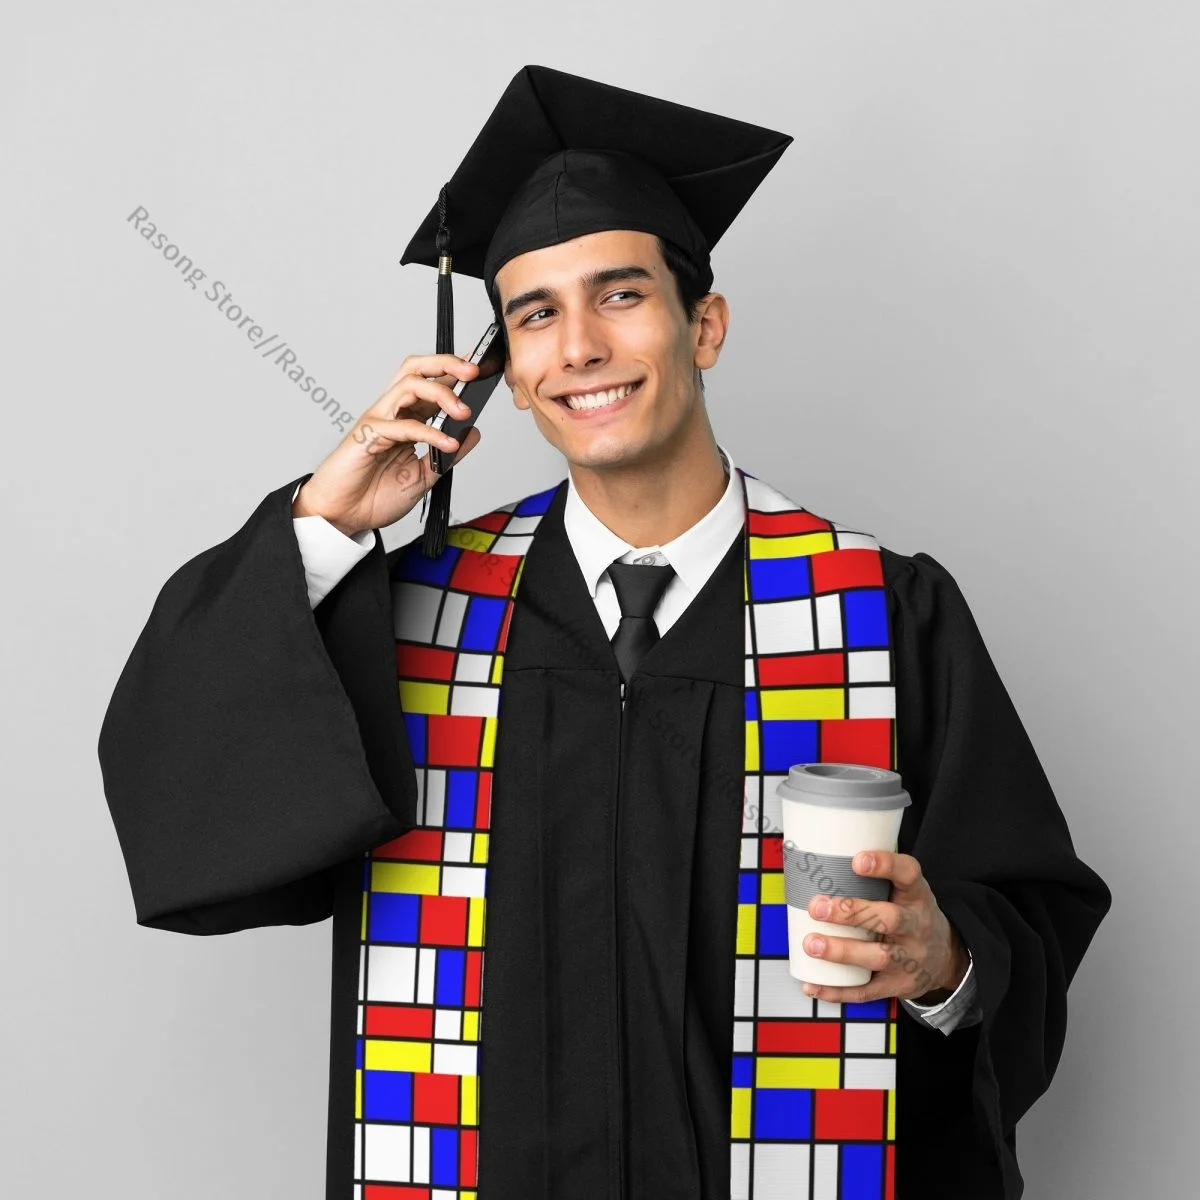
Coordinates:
column 600, row 399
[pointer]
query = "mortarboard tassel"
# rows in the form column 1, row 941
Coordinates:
column 433, row 540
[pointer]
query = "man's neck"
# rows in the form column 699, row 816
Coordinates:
column 652, row 505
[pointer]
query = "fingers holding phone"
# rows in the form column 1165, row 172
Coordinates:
column 374, row 476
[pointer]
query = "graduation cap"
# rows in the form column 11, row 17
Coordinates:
column 562, row 156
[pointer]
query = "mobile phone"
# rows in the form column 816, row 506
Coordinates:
column 474, row 393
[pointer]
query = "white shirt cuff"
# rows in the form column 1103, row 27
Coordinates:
column 327, row 553
column 959, row 1010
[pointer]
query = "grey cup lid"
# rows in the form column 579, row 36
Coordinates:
column 844, row 785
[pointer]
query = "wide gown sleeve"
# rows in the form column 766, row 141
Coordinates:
column 995, row 847
column 253, row 745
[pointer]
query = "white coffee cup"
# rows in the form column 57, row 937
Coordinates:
column 831, row 812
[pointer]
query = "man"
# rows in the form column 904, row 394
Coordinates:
column 599, row 687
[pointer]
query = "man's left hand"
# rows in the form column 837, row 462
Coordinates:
column 920, row 955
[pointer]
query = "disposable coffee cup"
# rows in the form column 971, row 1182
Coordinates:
column 831, row 812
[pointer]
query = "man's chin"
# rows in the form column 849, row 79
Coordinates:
column 601, row 454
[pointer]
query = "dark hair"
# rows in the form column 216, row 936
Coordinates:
column 688, row 284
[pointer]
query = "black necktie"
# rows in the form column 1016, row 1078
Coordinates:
column 639, row 589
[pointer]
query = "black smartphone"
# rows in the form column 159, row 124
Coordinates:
column 474, row 393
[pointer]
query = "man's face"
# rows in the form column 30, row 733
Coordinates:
column 596, row 313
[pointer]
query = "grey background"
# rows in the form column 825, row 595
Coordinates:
column 964, row 310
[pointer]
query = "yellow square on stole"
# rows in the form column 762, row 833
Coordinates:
column 475, row 920
column 793, row 546
column 470, row 1025
column 752, row 746
column 469, row 1111
column 418, row 697
column 740, row 1125
column 358, row 1094
column 468, row 538
column 488, row 748
column 398, row 1056
column 422, row 878
column 479, row 848
column 772, row 888
column 497, row 669
column 746, row 928
column 803, row 704
column 891, row 1117
column 796, row 1072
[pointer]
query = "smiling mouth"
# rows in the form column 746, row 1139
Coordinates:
column 596, row 400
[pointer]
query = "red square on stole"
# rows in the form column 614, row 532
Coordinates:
column 454, row 741
column 483, row 800
column 468, row 1151
column 421, row 845
column 473, row 983
column 785, row 524
column 423, row 662
column 799, row 1037
column 484, row 574
column 772, row 852
column 435, row 1099
column 795, row 670
column 493, row 522
column 849, row 1114
column 398, row 1021
column 866, row 741
column 838, row 569
column 443, row 921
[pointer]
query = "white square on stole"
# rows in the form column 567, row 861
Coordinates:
column 868, row 666
column 473, row 668
column 457, row 846
column 414, row 611
column 781, row 1170
column 783, row 625
column 739, row 1171
column 870, row 1073
column 392, row 974
column 825, row 1171
column 876, row 701
column 779, row 995
column 743, row 987
column 866, row 1037
column 447, row 1024
column 388, row 1153
column 450, row 625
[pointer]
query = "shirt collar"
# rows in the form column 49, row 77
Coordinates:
column 694, row 554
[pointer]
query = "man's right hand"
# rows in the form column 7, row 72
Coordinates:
column 373, row 477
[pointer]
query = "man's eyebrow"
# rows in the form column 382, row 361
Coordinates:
column 590, row 281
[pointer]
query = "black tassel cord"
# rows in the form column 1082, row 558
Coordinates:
column 433, row 540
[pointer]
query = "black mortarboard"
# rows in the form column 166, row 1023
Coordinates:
column 562, row 156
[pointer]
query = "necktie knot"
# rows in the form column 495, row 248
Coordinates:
column 639, row 588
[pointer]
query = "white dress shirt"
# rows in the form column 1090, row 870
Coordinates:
column 329, row 555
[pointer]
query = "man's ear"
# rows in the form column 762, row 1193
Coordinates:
column 712, row 328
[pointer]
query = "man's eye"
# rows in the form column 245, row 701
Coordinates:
column 611, row 296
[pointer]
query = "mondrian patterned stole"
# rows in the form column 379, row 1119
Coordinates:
column 814, row 1083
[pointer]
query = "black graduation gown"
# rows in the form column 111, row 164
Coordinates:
column 253, row 750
